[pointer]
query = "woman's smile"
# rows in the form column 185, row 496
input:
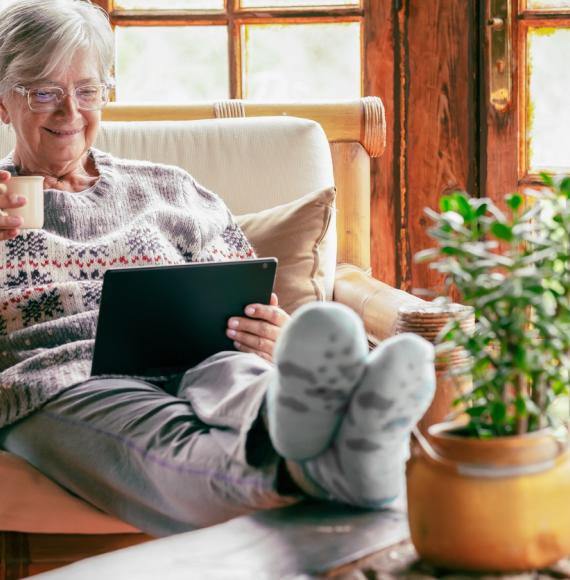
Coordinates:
column 56, row 142
column 63, row 133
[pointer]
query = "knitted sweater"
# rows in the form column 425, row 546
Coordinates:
column 137, row 214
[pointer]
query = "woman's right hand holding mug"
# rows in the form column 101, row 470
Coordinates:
column 9, row 225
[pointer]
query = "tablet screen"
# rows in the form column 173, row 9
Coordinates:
column 160, row 320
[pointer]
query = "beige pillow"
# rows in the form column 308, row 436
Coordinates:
column 302, row 235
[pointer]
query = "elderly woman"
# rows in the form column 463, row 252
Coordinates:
column 300, row 408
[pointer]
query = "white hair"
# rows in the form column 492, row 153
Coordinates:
column 40, row 37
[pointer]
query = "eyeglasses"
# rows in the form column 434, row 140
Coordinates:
column 48, row 99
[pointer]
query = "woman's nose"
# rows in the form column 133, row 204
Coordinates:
column 68, row 105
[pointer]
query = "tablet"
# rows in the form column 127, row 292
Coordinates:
column 158, row 320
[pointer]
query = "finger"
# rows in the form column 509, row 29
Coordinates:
column 274, row 301
column 244, row 348
column 269, row 313
column 9, row 234
column 8, row 222
column 4, row 175
column 12, row 200
column 256, row 327
column 253, row 341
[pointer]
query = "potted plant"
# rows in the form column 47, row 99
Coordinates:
column 490, row 491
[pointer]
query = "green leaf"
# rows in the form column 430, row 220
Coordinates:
column 451, row 251
column 426, row 255
column 476, row 411
column 481, row 209
column 560, row 409
column 445, row 203
column 499, row 412
column 519, row 356
column 559, row 388
column 514, row 201
column 502, row 231
column 464, row 207
column 565, row 186
column 547, row 179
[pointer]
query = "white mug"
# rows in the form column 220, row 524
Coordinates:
column 32, row 188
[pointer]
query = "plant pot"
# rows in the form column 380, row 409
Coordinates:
column 447, row 389
column 489, row 505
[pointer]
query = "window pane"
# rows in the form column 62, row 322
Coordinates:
column 172, row 64
column 302, row 61
column 170, row 5
column 549, row 87
column 295, row 3
column 548, row 4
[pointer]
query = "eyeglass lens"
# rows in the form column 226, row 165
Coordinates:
column 88, row 97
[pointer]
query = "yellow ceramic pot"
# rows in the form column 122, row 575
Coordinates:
column 490, row 505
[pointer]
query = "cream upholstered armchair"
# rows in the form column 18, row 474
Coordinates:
column 275, row 168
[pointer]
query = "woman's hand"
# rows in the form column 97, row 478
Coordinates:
column 9, row 225
column 259, row 331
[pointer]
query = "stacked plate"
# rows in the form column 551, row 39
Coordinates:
column 429, row 320
column 451, row 363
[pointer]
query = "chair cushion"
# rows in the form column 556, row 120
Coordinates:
column 302, row 235
column 252, row 163
column 33, row 503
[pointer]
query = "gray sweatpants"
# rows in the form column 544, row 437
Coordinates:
column 165, row 463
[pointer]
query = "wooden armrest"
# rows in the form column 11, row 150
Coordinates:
column 375, row 302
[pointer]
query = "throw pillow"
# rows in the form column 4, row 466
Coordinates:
column 301, row 234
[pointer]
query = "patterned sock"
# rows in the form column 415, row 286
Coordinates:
column 319, row 357
column 365, row 465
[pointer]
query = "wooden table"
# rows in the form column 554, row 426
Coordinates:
column 300, row 541
column 306, row 541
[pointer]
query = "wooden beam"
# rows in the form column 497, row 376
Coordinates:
column 359, row 120
column 501, row 149
column 380, row 79
column 442, row 118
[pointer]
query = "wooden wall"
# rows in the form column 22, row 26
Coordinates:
column 422, row 59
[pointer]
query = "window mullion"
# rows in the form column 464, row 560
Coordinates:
column 555, row 18
column 234, row 49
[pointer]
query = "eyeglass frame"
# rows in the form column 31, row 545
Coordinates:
column 25, row 92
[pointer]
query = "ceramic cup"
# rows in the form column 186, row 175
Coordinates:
column 32, row 188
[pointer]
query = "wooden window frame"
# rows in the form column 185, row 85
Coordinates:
column 531, row 19
column 383, row 41
column 233, row 17
column 506, row 167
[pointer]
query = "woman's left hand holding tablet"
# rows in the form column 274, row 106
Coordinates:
column 258, row 331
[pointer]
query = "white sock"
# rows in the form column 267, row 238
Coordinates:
column 365, row 465
column 319, row 356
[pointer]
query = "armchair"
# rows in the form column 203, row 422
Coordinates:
column 283, row 155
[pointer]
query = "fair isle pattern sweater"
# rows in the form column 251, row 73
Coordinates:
column 137, row 214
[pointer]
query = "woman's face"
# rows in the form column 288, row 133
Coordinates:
column 58, row 139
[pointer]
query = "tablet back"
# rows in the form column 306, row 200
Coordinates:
column 159, row 320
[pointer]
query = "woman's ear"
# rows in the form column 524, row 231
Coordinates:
column 4, row 113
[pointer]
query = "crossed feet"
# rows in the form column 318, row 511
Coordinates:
column 341, row 416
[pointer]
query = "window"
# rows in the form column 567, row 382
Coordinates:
column 546, row 86
column 196, row 50
column 532, row 134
